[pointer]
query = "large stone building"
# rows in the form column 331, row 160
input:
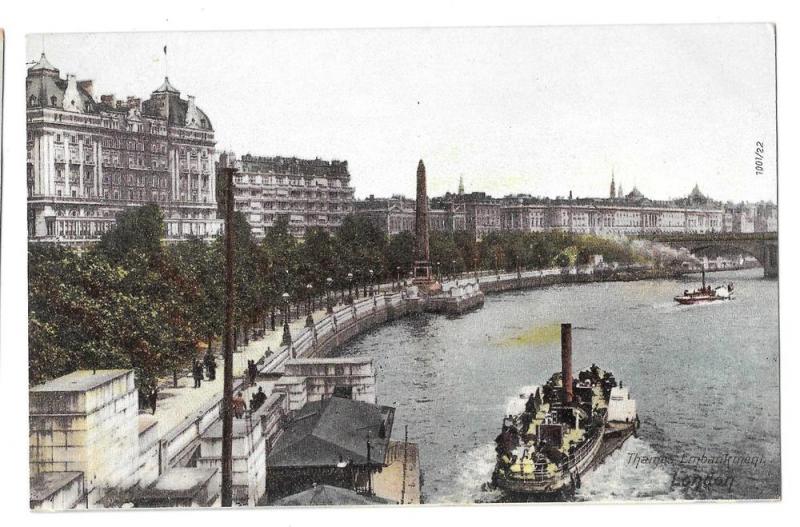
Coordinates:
column 90, row 159
column 628, row 214
column 308, row 192
column 398, row 214
column 631, row 214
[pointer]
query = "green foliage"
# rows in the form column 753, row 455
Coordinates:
column 133, row 302
column 137, row 230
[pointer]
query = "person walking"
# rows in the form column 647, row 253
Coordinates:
column 239, row 406
column 258, row 399
column 211, row 365
column 197, row 373
column 152, row 399
column 252, row 371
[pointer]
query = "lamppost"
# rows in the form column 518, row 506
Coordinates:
column 371, row 282
column 287, row 335
column 438, row 270
column 453, row 268
column 369, row 464
column 350, row 288
column 328, row 284
column 398, row 277
column 364, row 283
column 309, row 308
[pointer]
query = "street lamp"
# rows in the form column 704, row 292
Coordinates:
column 438, row 270
column 453, row 268
column 309, row 306
column 364, row 283
column 328, row 284
column 287, row 335
column 350, row 288
column 398, row 276
column 371, row 282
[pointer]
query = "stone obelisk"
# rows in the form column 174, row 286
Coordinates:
column 422, row 264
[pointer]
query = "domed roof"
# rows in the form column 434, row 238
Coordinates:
column 696, row 192
column 635, row 194
column 166, row 87
column 43, row 65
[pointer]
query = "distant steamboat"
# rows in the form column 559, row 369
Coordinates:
column 706, row 293
column 568, row 427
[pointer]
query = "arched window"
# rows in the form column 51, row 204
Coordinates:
column 53, row 100
column 32, row 100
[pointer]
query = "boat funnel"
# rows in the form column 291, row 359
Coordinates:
column 566, row 361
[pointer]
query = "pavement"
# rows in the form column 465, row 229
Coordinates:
column 176, row 404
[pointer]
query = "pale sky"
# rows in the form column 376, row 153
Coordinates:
column 538, row 110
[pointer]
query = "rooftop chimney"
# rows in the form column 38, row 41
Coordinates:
column 566, row 361
column 87, row 86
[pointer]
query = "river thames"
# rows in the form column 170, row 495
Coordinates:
column 705, row 378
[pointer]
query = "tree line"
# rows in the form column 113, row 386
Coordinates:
column 133, row 301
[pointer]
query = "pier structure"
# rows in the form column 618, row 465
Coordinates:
column 85, row 422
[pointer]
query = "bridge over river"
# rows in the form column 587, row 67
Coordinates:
column 761, row 245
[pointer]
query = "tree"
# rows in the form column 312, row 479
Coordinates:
column 400, row 254
column 139, row 229
column 361, row 246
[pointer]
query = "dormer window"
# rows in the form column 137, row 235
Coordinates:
column 32, row 100
column 53, row 100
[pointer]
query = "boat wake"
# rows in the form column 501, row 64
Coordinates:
column 471, row 485
column 674, row 307
column 619, row 478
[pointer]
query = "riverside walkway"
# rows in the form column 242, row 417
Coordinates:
column 184, row 413
column 176, row 405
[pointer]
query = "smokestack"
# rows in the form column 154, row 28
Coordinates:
column 566, row 361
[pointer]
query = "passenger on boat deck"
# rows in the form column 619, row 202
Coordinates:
column 526, row 419
column 530, row 405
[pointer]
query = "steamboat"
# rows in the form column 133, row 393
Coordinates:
column 705, row 293
column 567, row 428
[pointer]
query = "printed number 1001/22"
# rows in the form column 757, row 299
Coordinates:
column 759, row 158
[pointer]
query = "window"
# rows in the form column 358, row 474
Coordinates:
column 53, row 100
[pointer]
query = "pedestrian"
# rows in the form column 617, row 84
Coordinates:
column 252, row 371
column 197, row 373
column 152, row 398
column 239, row 406
column 258, row 399
column 211, row 365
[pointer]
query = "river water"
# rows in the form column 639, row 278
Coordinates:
column 705, row 379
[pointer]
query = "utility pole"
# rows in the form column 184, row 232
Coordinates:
column 405, row 462
column 227, row 391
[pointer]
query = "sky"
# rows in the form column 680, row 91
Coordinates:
column 535, row 110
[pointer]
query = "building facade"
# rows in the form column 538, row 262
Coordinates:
column 398, row 214
column 617, row 215
column 308, row 192
column 89, row 160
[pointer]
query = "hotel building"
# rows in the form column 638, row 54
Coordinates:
column 88, row 159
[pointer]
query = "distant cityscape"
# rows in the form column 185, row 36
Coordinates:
column 90, row 159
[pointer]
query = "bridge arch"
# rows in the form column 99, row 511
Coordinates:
column 763, row 245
